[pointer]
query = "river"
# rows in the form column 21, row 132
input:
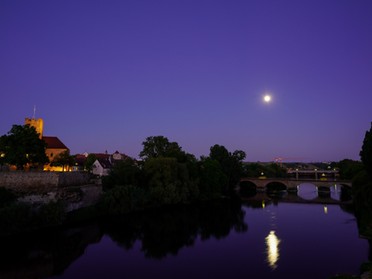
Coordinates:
column 253, row 239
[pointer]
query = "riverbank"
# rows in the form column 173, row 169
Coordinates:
column 35, row 200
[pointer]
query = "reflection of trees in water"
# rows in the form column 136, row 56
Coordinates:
column 165, row 231
column 162, row 232
column 44, row 254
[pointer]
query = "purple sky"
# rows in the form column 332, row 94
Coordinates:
column 104, row 75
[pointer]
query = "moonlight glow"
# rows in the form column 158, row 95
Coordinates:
column 272, row 249
column 267, row 98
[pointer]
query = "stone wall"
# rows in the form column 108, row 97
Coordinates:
column 28, row 182
column 73, row 197
column 73, row 189
column 73, row 178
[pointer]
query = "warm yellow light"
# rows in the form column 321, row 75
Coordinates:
column 272, row 249
column 325, row 209
column 263, row 204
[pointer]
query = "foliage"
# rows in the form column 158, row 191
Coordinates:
column 213, row 180
column 231, row 164
column 22, row 146
column 366, row 152
column 253, row 169
column 362, row 188
column 275, row 170
column 267, row 170
column 90, row 161
column 168, row 181
column 126, row 172
column 247, row 189
column 63, row 159
column 123, row 199
column 170, row 176
column 160, row 146
column 348, row 169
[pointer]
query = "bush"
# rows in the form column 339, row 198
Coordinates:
column 123, row 199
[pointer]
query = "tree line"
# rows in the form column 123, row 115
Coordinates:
column 168, row 175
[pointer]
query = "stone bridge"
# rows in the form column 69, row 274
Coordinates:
column 291, row 184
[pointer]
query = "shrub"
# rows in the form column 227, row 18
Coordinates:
column 123, row 199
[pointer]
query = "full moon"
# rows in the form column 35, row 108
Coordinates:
column 267, row 98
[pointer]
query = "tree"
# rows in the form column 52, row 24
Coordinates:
column 159, row 146
column 63, row 159
column 90, row 161
column 167, row 180
column 22, row 146
column 366, row 152
column 231, row 163
column 213, row 181
column 123, row 173
column 348, row 168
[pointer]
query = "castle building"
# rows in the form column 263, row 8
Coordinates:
column 54, row 145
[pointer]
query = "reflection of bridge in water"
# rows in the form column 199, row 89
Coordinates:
column 263, row 198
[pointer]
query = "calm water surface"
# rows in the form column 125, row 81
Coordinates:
column 218, row 240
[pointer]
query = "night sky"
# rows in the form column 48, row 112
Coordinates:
column 104, row 75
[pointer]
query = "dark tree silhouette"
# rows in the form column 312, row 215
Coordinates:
column 160, row 146
column 366, row 152
column 22, row 146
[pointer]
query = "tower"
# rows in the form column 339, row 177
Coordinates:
column 37, row 124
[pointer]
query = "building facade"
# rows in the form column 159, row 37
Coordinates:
column 54, row 145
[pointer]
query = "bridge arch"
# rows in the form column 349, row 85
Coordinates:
column 341, row 192
column 247, row 188
column 307, row 190
column 275, row 186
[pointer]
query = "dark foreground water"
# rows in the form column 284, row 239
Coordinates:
column 214, row 240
